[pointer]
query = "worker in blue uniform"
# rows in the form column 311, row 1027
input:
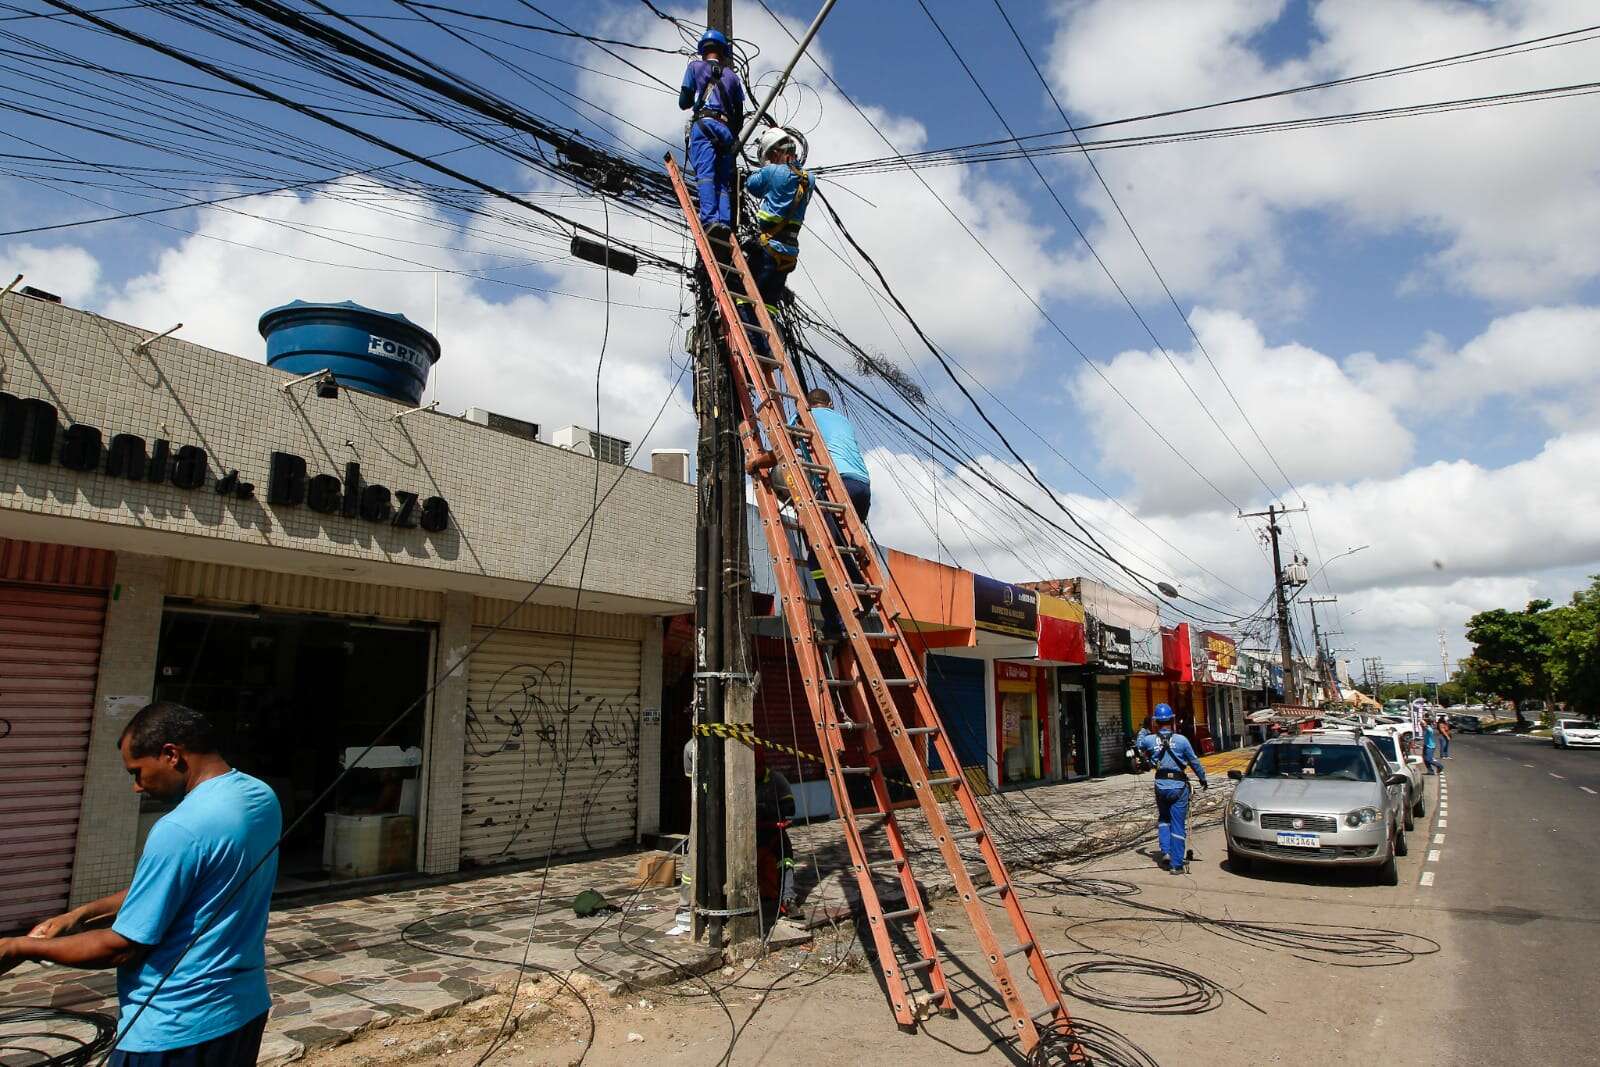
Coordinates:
column 714, row 96
column 785, row 191
column 1170, row 752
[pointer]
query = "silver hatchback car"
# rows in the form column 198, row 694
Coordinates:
column 1321, row 799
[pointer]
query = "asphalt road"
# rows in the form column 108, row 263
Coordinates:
column 1517, row 875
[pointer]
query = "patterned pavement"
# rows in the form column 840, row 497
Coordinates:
column 337, row 968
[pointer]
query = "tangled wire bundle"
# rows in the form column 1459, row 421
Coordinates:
column 1103, row 1045
column 54, row 1037
column 1186, row 993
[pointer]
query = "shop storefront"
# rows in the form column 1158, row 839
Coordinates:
column 1224, row 703
column 315, row 567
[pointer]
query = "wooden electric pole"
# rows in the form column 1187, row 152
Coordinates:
column 1286, row 647
column 1324, row 661
column 725, row 894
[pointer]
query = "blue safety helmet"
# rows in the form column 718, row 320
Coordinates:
column 716, row 37
column 1163, row 713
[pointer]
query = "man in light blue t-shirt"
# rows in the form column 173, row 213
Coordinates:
column 188, row 937
column 839, row 437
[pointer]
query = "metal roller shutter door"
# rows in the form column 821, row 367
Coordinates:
column 521, row 734
column 1108, row 712
column 49, row 659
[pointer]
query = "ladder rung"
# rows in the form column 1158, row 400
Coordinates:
column 798, row 431
column 781, row 395
column 814, row 468
column 903, row 913
column 850, row 548
column 916, row 965
column 892, row 865
column 851, row 725
column 943, row 781
column 855, row 770
column 828, row 505
column 753, row 326
column 791, row 524
column 967, row 835
column 768, row 361
column 867, row 590
column 843, row 683
column 1026, row 946
column 905, row 683
column 915, row 730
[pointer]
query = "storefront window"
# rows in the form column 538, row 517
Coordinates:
column 293, row 697
column 1021, row 727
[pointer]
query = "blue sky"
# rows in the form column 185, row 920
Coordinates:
column 1405, row 311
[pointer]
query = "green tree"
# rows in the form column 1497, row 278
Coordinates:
column 1511, row 652
column 1574, row 649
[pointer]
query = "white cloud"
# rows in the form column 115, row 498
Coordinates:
column 65, row 270
column 1509, row 197
column 1298, row 399
column 1549, row 355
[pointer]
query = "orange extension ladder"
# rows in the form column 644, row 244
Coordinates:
column 852, row 698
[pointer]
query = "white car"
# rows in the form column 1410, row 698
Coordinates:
column 1569, row 732
column 1396, row 743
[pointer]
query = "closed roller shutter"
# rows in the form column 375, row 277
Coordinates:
column 1108, row 716
column 49, row 658
column 522, row 733
column 958, row 691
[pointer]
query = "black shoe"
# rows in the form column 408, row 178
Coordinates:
column 720, row 230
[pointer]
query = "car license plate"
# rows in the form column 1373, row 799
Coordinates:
column 1300, row 840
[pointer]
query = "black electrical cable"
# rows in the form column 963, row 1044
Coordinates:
column 1556, row 40
column 1188, row 993
column 63, row 1038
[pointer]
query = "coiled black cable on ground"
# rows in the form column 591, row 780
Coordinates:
column 33, row 1036
column 1166, row 989
column 1104, row 1046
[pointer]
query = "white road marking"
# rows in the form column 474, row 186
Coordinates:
column 1442, row 824
column 1427, row 877
column 1433, row 855
column 1553, row 774
column 1529, row 765
column 1438, row 839
column 1586, row 789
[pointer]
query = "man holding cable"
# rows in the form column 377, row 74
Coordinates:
column 188, row 937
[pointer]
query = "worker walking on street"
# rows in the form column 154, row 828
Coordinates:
column 1444, row 737
column 714, row 97
column 785, row 191
column 1170, row 752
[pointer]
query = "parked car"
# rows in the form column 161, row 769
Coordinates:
column 1319, row 799
column 1569, row 732
column 1467, row 724
column 1394, row 744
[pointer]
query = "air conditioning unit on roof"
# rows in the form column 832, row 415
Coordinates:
column 585, row 441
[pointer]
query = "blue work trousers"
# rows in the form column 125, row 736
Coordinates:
column 861, row 498
column 1172, row 820
column 711, row 155
column 1430, row 759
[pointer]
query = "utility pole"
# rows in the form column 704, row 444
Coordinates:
column 1286, row 647
column 1323, row 665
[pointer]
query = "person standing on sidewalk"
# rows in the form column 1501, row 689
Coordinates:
column 1444, row 737
column 1430, row 745
column 188, row 937
column 1171, row 752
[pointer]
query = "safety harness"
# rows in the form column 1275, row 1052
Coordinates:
column 785, row 228
column 713, row 77
column 1161, row 772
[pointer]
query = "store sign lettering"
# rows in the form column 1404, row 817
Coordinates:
column 31, row 429
column 288, row 483
column 1115, row 648
column 1004, row 608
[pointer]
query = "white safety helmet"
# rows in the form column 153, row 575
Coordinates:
column 772, row 139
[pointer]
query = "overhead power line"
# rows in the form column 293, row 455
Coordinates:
column 973, row 152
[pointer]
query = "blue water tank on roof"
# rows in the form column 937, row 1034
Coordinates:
column 375, row 351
